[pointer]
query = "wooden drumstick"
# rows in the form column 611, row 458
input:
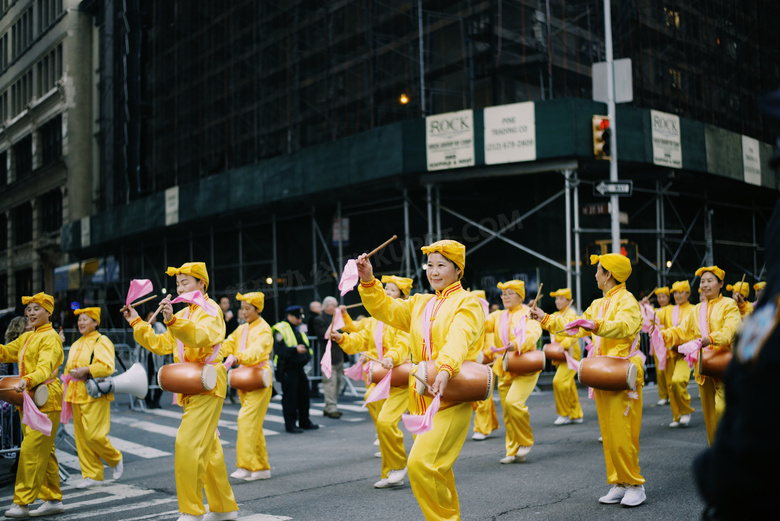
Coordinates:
column 428, row 387
column 353, row 305
column 538, row 293
column 375, row 250
column 134, row 304
column 162, row 304
column 371, row 357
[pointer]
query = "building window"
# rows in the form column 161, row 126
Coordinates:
column 48, row 12
column 22, row 154
column 672, row 18
column 22, row 33
column 51, row 211
column 4, row 52
column 3, row 106
column 3, row 169
column 3, row 232
column 675, row 78
column 23, row 282
column 23, row 224
column 21, row 93
column 51, row 140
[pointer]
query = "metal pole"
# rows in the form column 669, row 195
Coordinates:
column 709, row 258
column 438, row 213
column 240, row 255
column 566, row 174
column 577, row 250
column 613, row 164
column 314, row 253
column 422, row 56
column 662, row 234
column 274, row 266
column 659, row 266
column 341, row 246
column 407, row 239
column 430, row 214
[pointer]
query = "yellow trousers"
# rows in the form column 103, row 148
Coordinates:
column 199, row 461
column 567, row 401
column 514, row 391
column 485, row 418
column 38, row 475
column 679, row 398
column 664, row 379
column 620, row 432
column 251, row 452
column 431, row 459
column 713, row 404
column 91, row 422
column 391, row 439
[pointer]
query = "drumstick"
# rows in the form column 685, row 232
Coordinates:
column 538, row 293
column 134, row 304
column 8, row 389
column 428, row 387
column 162, row 304
column 388, row 241
column 371, row 357
column 353, row 305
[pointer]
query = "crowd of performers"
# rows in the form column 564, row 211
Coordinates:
column 451, row 330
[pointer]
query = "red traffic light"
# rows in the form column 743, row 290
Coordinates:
column 604, row 124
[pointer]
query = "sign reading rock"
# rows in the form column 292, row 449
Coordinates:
column 449, row 140
column 667, row 145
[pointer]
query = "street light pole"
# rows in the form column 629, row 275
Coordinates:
column 613, row 163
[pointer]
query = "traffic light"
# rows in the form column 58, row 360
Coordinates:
column 602, row 135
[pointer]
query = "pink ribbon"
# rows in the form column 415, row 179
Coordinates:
column 485, row 307
column 35, row 418
column 378, row 337
column 192, row 298
column 326, row 363
column 355, row 372
column 573, row 327
column 381, row 391
column 228, row 363
column 571, row 362
column 138, row 288
column 520, row 332
column 197, row 298
column 426, row 327
column 67, row 410
column 503, row 328
column 349, row 277
column 691, row 351
column 657, row 344
column 648, row 316
column 498, row 350
column 420, row 424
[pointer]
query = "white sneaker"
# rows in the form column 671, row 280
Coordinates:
column 241, row 473
column 615, row 494
column 478, row 436
column 562, row 420
column 18, row 511
column 662, row 401
column 396, row 476
column 674, row 425
column 635, row 496
column 48, row 508
column 512, row 459
column 190, row 517
column 601, row 440
column 523, row 451
column 685, row 419
column 576, row 420
column 119, row 469
column 377, row 454
column 258, row 474
column 220, row 516
column 376, row 442
column 88, row 482
column 383, row 483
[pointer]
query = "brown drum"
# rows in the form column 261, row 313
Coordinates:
column 713, row 362
column 472, row 384
column 249, row 378
column 187, row 378
column 39, row 394
column 554, row 351
column 607, row 373
column 525, row 363
column 399, row 378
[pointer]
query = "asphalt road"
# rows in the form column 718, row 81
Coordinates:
column 328, row 474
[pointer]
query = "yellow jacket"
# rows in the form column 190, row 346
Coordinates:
column 619, row 324
column 533, row 332
column 199, row 333
column 395, row 343
column 42, row 359
column 565, row 341
column 102, row 365
column 456, row 329
column 259, row 343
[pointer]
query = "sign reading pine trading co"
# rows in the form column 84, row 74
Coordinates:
column 510, row 133
column 449, row 140
column 667, row 145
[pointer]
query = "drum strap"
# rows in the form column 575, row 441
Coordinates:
column 31, row 416
column 426, row 328
column 675, row 316
column 180, row 346
column 378, row 333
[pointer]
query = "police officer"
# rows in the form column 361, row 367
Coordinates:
column 291, row 354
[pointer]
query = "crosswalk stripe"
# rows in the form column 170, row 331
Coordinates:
column 67, row 459
column 101, row 514
column 152, row 516
column 222, row 423
column 152, row 427
column 264, row 517
column 346, row 407
column 136, row 449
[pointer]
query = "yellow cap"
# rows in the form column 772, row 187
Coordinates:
column 742, row 287
column 194, row 269
column 517, row 285
column 712, row 269
column 759, row 285
column 256, row 298
column 93, row 313
column 662, row 289
column 563, row 292
column 42, row 299
column 681, row 285
column 404, row 284
column 617, row 264
column 453, row 250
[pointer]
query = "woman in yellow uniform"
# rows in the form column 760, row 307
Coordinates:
column 39, row 355
column 456, row 325
column 394, row 344
column 567, row 401
column 251, row 345
column 663, row 377
column 91, row 356
column 514, row 389
column 485, row 417
column 740, row 291
column 676, row 366
column 722, row 321
column 192, row 335
column 617, row 323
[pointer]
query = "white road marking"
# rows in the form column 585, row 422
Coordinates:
column 130, row 447
column 101, row 514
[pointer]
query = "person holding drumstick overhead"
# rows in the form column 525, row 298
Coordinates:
column 720, row 316
column 614, row 324
column 452, row 334
column 567, row 401
column 394, row 344
column 251, row 345
column 39, row 355
column 92, row 355
column 192, row 335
